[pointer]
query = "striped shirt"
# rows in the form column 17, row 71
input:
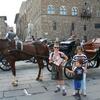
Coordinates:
column 80, row 56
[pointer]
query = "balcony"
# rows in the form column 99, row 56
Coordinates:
column 86, row 11
column 86, row 14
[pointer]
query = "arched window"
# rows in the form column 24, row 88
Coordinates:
column 63, row 10
column 51, row 9
column 74, row 11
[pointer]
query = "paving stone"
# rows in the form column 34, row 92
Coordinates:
column 46, row 96
column 36, row 90
column 14, row 98
column 1, row 94
column 10, row 87
column 14, row 93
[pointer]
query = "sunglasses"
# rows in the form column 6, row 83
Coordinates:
column 56, row 47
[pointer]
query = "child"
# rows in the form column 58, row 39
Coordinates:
column 78, row 76
column 56, row 59
column 81, row 55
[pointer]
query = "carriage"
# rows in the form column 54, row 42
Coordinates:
column 92, row 50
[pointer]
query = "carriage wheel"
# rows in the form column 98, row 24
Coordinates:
column 49, row 67
column 66, row 73
column 93, row 60
column 33, row 60
column 5, row 65
column 93, row 63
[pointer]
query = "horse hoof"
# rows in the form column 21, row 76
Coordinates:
column 40, row 80
column 15, row 84
column 37, row 79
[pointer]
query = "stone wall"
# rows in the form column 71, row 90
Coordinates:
column 3, row 27
column 36, row 11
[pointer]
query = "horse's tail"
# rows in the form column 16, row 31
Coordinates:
column 47, row 59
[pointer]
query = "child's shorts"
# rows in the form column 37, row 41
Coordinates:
column 77, row 84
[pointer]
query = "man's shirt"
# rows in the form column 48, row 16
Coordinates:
column 56, row 57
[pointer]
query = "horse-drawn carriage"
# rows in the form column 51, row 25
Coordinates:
column 92, row 51
column 40, row 52
column 4, row 65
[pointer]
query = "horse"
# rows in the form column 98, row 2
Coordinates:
column 35, row 49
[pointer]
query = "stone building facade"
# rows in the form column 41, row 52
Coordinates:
column 3, row 26
column 61, row 18
column 21, row 22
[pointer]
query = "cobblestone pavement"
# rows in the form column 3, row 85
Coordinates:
column 30, row 89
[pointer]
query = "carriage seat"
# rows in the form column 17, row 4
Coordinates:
column 92, row 45
column 93, row 50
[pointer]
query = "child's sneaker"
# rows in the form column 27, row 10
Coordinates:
column 64, row 92
column 83, row 93
column 57, row 90
column 76, row 94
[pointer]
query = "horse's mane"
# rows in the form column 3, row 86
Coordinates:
column 37, row 43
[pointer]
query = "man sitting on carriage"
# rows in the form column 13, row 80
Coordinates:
column 11, row 36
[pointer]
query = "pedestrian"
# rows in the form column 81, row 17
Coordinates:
column 81, row 55
column 78, row 76
column 56, row 58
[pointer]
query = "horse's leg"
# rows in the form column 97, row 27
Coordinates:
column 14, row 82
column 40, row 73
